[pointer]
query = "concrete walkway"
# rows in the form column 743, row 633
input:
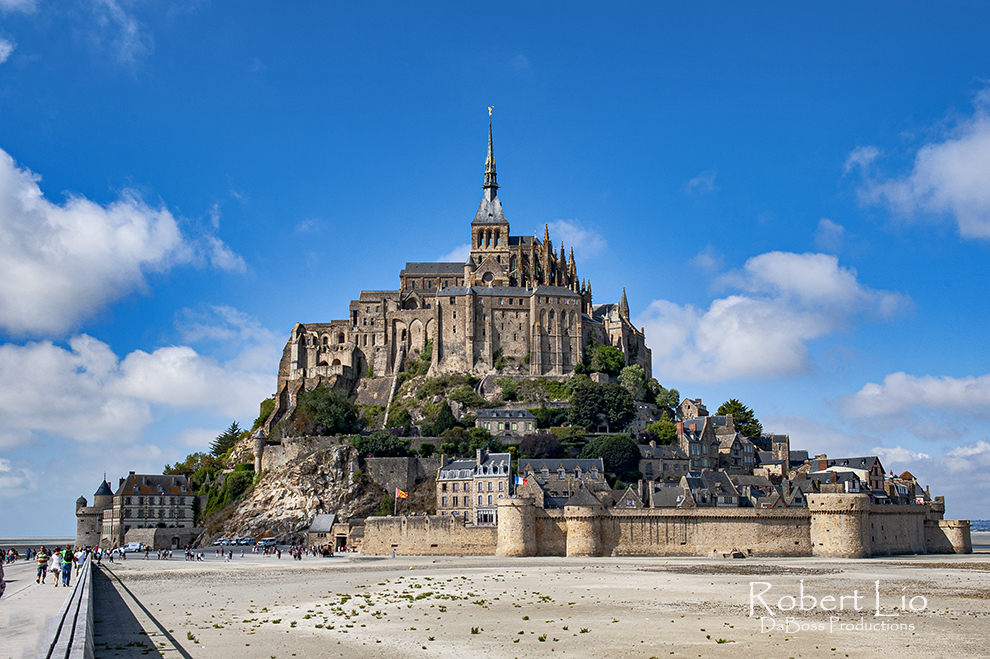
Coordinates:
column 25, row 609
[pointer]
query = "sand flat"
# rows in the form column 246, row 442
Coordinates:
column 535, row 607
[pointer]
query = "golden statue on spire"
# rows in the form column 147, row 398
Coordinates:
column 490, row 108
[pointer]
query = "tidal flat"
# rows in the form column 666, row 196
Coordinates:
column 350, row 606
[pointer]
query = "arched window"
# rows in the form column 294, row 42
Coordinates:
column 326, row 340
column 340, row 338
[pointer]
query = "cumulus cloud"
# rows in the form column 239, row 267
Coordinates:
column 787, row 300
column 703, row 183
column 15, row 479
column 457, row 255
column 6, row 48
column 962, row 475
column 901, row 392
column 950, row 176
column 817, row 436
column 830, row 236
column 61, row 263
column 310, row 225
column 571, row 233
column 86, row 393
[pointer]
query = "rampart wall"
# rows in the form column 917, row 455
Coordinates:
column 833, row 526
column 426, row 535
column 401, row 473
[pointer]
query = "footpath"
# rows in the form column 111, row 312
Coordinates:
column 26, row 608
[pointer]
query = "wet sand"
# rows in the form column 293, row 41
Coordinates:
column 535, row 607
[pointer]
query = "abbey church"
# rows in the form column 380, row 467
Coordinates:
column 515, row 300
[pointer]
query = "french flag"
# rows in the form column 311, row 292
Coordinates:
column 520, row 480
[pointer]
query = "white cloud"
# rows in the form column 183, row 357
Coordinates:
column 457, row 255
column 829, row 235
column 84, row 392
column 570, row 233
column 901, row 392
column 25, row 6
column 703, row 183
column 817, row 436
column 861, row 157
column 15, row 480
column 790, row 300
column 950, row 177
column 6, row 48
column 310, row 225
column 62, row 263
column 708, row 259
column 961, row 475
column 128, row 37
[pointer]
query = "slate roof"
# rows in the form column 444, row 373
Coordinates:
column 866, row 463
column 153, row 484
column 661, row 452
column 668, row 497
column 489, row 212
column 104, row 490
column 442, row 267
column 554, row 465
column 740, row 480
column 322, row 523
column 505, row 414
column 584, row 498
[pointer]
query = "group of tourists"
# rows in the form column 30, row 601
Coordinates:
column 60, row 563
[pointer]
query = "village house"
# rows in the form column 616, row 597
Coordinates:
column 508, row 425
column 470, row 489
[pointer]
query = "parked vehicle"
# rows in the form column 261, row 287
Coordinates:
column 267, row 542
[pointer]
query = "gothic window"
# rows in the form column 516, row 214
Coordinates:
column 340, row 338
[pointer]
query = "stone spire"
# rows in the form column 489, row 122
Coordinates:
column 491, row 184
column 624, row 305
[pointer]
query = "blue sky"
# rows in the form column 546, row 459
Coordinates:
column 796, row 200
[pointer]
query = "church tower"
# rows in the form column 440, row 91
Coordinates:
column 490, row 230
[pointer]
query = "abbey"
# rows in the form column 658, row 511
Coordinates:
column 515, row 301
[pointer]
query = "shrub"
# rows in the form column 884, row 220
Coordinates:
column 467, row 396
column 267, row 407
column 426, row 449
column 619, row 453
column 381, row 444
column 540, row 445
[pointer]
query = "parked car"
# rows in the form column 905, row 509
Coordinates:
column 267, row 542
column 223, row 542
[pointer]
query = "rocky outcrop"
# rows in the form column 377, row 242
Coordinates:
column 286, row 499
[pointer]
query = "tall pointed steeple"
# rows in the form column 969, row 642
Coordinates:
column 624, row 305
column 491, row 184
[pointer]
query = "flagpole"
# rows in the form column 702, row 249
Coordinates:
column 395, row 503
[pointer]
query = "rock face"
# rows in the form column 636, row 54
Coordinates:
column 287, row 498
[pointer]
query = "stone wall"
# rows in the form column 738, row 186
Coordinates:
column 401, row 473
column 292, row 448
column 89, row 526
column 426, row 535
column 834, row 525
column 162, row 538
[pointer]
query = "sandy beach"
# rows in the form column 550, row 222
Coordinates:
column 256, row 607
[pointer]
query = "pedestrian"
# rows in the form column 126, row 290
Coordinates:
column 42, row 559
column 3, row 584
column 67, row 561
column 56, row 568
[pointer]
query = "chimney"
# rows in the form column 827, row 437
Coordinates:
column 821, row 462
column 680, row 427
column 477, row 456
column 653, row 443
column 121, row 482
column 698, row 401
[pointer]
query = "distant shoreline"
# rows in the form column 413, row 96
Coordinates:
column 21, row 544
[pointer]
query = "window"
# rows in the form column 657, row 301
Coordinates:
column 489, row 499
column 560, row 475
column 455, row 487
column 467, row 487
column 489, row 486
column 443, row 487
column 479, row 499
column 443, row 501
column 501, row 486
column 455, row 502
column 181, row 514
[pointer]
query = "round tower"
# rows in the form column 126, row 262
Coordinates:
column 103, row 498
column 839, row 525
column 516, row 527
column 584, row 533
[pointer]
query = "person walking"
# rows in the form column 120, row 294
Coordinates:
column 42, row 559
column 56, row 568
column 67, row 560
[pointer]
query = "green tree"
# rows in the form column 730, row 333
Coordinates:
column 226, row 440
column 633, row 378
column 606, row 359
column 587, row 402
column 664, row 429
column 668, row 400
column 326, row 411
column 266, row 408
column 618, row 406
column 547, row 417
column 381, row 444
column 426, row 449
column 743, row 418
column 445, row 420
column 619, row 453
column 193, row 463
